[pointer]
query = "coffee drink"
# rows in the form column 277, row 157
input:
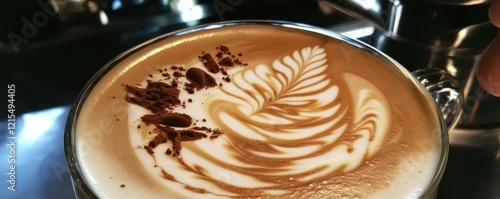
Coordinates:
column 256, row 111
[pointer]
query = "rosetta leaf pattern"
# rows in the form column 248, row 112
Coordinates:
column 289, row 119
column 288, row 88
column 289, row 112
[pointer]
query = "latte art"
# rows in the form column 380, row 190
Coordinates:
column 294, row 116
column 256, row 111
column 284, row 127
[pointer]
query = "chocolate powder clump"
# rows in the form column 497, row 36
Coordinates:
column 209, row 63
column 224, row 71
column 157, row 96
column 191, row 135
column 226, row 58
column 219, row 55
column 177, row 74
column 226, row 61
column 200, row 78
column 168, row 151
column 175, row 83
column 160, row 138
column 216, row 133
column 224, row 49
column 175, row 138
column 161, row 99
column 149, row 150
column 190, row 88
column 168, row 119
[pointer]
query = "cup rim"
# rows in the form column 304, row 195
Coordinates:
column 83, row 189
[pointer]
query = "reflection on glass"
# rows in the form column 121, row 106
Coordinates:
column 359, row 33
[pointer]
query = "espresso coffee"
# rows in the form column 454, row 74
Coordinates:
column 256, row 111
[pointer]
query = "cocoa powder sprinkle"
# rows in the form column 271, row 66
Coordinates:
column 209, row 63
column 200, row 78
column 161, row 98
column 226, row 61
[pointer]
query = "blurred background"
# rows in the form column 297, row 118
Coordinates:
column 49, row 49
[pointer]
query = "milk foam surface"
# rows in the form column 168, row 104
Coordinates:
column 301, row 120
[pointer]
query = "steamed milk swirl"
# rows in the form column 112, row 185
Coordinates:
column 284, row 127
column 310, row 119
column 289, row 115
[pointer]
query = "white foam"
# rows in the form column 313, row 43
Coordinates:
column 369, row 100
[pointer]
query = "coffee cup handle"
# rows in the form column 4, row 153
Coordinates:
column 446, row 91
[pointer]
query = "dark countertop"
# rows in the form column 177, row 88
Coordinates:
column 53, row 66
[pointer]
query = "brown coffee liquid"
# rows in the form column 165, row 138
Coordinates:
column 301, row 115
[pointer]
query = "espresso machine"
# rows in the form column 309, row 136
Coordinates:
column 447, row 34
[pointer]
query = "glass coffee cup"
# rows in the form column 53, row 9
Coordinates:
column 259, row 109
